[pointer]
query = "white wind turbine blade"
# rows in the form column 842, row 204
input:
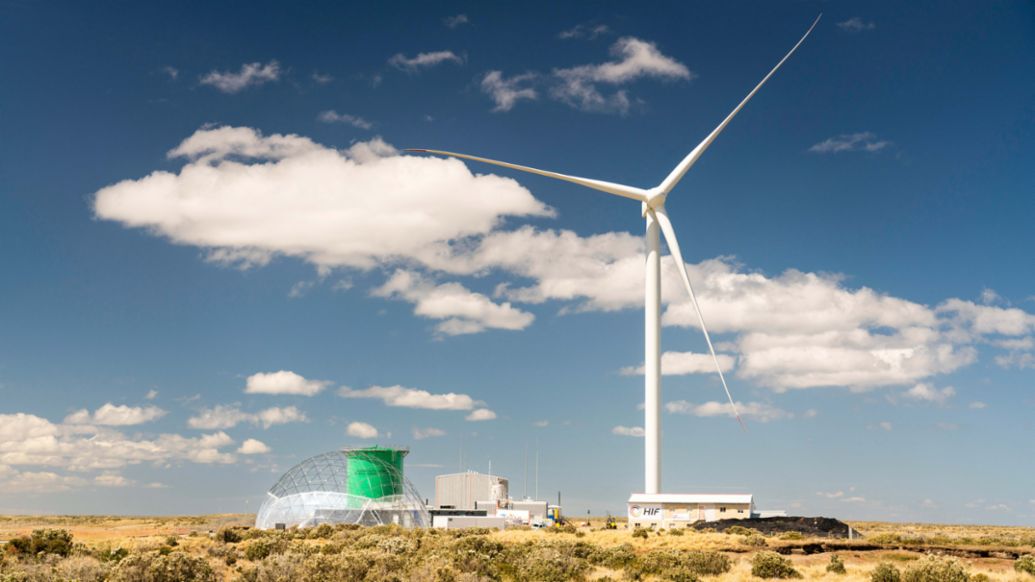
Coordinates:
column 634, row 193
column 676, row 175
column 673, row 247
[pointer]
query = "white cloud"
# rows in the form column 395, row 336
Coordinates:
column 831, row 494
column 579, row 86
column 507, row 92
column 864, row 141
column 977, row 405
column 683, row 363
column 222, row 416
column 584, row 30
column 283, row 382
column 480, row 415
column 151, row 394
column 462, row 310
column 38, row 482
column 253, row 447
column 112, row 480
column 250, row 75
column 792, row 330
column 928, row 393
column 630, row 431
column 332, row 116
column 361, row 430
column 855, row 499
column 321, row 78
column 759, row 411
column 988, row 319
column 171, row 71
column 1024, row 343
column 404, row 397
column 116, row 415
column 246, row 198
column 886, row 426
column 856, row 24
column 541, row 423
column 427, row 433
column 455, row 21
column 423, row 60
column 27, row 439
column 1020, row 360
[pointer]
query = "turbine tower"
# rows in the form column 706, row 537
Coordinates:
column 652, row 209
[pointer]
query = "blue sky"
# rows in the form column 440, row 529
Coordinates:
column 218, row 262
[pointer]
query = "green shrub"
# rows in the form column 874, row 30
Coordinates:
column 640, row 533
column 675, row 532
column 885, row 572
column 615, row 558
column 259, row 549
column 107, row 554
column 1025, row 564
column 772, row 565
column 755, row 541
column 980, row 578
column 741, row 531
column 43, row 541
column 792, row 535
column 679, row 564
column 229, row 535
column 175, row 567
column 936, row 569
column 476, row 555
column 554, row 562
column 836, row 565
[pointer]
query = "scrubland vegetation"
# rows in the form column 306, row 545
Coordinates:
column 222, row 548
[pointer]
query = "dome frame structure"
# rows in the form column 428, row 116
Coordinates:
column 362, row 486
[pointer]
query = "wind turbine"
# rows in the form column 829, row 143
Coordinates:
column 652, row 208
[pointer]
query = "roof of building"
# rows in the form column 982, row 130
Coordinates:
column 731, row 498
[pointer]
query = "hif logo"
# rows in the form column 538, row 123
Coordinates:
column 635, row 511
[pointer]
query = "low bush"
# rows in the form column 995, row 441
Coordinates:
column 678, row 564
column 675, row 532
column 792, row 535
column 836, row 565
column 640, row 533
column 755, row 541
column 1025, row 564
column 229, row 535
column 151, row 567
column 43, row 541
column 258, row 549
column 885, row 572
column 772, row 565
column 741, row 531
column 936, row 569
column 615, row 558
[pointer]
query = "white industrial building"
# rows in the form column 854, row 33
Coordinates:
column 669, row 510
column 465, row 490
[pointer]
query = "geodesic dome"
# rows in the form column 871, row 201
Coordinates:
column 359, row 486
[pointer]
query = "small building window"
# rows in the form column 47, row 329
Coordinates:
column 740, row 511
column 722, row 510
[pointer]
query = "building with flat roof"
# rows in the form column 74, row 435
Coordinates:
column 465, row 490
column 669, row 510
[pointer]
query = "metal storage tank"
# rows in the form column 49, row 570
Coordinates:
column 375, row 472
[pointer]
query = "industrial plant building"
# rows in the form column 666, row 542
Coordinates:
column 465, row 490
column 671, row 510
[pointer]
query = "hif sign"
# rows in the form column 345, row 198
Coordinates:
column 644, row 512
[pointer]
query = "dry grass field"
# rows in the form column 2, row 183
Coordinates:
column 222, row 548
